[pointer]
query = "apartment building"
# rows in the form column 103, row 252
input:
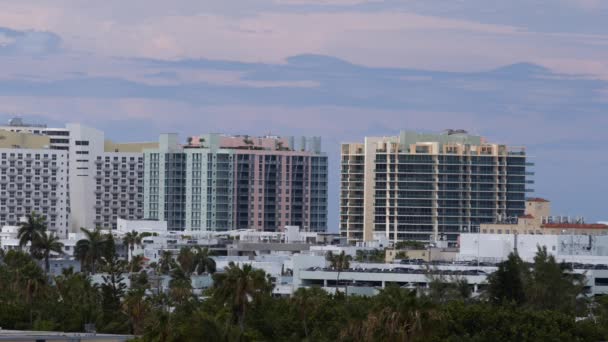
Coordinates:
column 103, row 181
column 219, row 182
column 33, row 178
column 429, row 187
column 109, row 176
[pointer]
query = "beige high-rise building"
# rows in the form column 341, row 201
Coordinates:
column 429, row 187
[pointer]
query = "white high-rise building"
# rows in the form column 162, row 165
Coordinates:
column 103, row 180
column 33, row 178
column 106, row 178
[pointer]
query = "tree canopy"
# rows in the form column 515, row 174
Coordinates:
column 519, row 305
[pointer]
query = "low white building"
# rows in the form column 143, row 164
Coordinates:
column 592, row 249
column 141, row 226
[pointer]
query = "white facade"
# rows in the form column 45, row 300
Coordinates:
column 118, row 188
column 141, row 226
column 85, row 144
column 567, row 248
column 99, row 186
column 34, row 180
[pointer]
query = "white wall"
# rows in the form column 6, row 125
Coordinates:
column 82, row 174
column 141, row 226
column 563, row 247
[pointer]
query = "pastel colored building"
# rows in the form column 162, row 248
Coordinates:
column 220, row 182
column 429, row 187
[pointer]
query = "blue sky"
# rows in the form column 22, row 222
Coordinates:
column 531, row 73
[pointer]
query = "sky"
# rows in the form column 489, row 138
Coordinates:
column 520, row 72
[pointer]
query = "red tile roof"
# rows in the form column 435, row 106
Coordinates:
column 575, row 225
column 537, row 199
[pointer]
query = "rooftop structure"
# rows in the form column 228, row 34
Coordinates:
column 537, row 219
column 10, row 139
column 245, row 142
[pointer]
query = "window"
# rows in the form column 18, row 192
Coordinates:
column 601, row 281
column 82, row 142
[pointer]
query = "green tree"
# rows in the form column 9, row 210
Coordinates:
column 159, row 327
column 186, row 260
column 507, row 284
column 136, row 308
column 313, row 311
column 166, row 262
column 410, row 244
column 131, row 240
column 136, row 264
column 203, row 261
column 485, row 322
column 22, row 286
column 339, row 262
column 442, row 289
column 239, row 288
column 45, row 244
column 113, row 289
column 376, row 255
column 201, row 326
column 180, row 286
column 550, row 280
column 31, row 229
column 80, row 301
column 90, row 250
column 397, row 315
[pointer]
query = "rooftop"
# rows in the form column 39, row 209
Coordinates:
column 575, row 225
column 537, row 199
column 18, row 335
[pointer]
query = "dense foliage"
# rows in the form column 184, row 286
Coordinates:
column 523, row 302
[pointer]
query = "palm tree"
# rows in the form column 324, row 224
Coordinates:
column 91, row 249
column 238, row 287
column 339, row 262
column 131, row 240
column 136, row 263
column 31, row 229
column 44, row 244
column 204, row 263
column 180, row 286
column 136, row 307
column 166, row 262
column 186, row 260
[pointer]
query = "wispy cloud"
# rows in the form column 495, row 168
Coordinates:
column 28, row 43
column 520, row 71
